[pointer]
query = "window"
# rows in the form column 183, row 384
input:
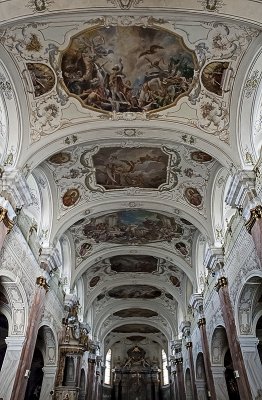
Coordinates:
column 108, row 368
column 164, row 368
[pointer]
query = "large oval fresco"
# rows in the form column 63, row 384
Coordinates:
column 132, row 226
column 128, row 68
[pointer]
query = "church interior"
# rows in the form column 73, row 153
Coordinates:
column 131, row 200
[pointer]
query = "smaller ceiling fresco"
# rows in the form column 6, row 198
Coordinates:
column 213, row 76
column 128, row 68
column 136, row 312
column 131, row 227
column 42, row 77
column 130, row 263
column 82, row 171
column 136, row 328
column 136, row 338
column 142, row 167
column 134, row 292
column 175, row 281
column 94, row 281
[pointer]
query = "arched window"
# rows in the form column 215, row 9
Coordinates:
column 108, row 367
column 164, row 368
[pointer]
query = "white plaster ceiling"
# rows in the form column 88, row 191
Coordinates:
column 130, row 138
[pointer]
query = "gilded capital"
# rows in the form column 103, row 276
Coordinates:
column 222, row 282
column 201, row 322
column 41, row 281
column 255, row 214
column 5, row 219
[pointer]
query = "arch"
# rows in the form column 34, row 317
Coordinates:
column 201, row 381
column 246, row 303
column 111, row 307
column 3, row 336
column 34, row 383
column 219, row 346
column 48, row 344
column 17, row 301
column 157, row 251
column 259, row 336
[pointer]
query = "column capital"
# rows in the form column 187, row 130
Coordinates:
column 185, row 328
column 201, row 322
column 14, row 183
column 255, row 214
column 222, row 282
column 15, row 342
column 196, row 301
column 49, row 259
column 242, row 193
column 214, row 259
column 176, row 344
column 41, row 281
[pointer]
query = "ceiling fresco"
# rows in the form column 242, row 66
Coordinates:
column 136, row 328
column 131, row 263
column 166, row 69
column 131, row 227
column 81, row 173
column 135, row 312
column 42, row 77
column 139, row 167
column 134, row 292
column 128, row 68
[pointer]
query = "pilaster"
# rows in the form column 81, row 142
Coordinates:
column 48, row 383
column 10, row 365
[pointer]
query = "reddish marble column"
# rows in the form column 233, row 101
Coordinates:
column 91, row 378
column 5, row 225
column 180, row 379
column 175, row 383
column 233, row 342
column 35, row 315
column 189, row 346
column 207, row 362
column 254, row 227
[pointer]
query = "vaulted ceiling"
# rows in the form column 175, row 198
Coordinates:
column 127, row 119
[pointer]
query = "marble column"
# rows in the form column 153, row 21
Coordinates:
column 35, row 315
column 10, row 365
column 180, row 379
column 233, row 342
column 176, row 385
column 91, row 376
column 207, row 362
column 48, row 381
column 7, row 215
column 189, row 346
column 254, row 227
